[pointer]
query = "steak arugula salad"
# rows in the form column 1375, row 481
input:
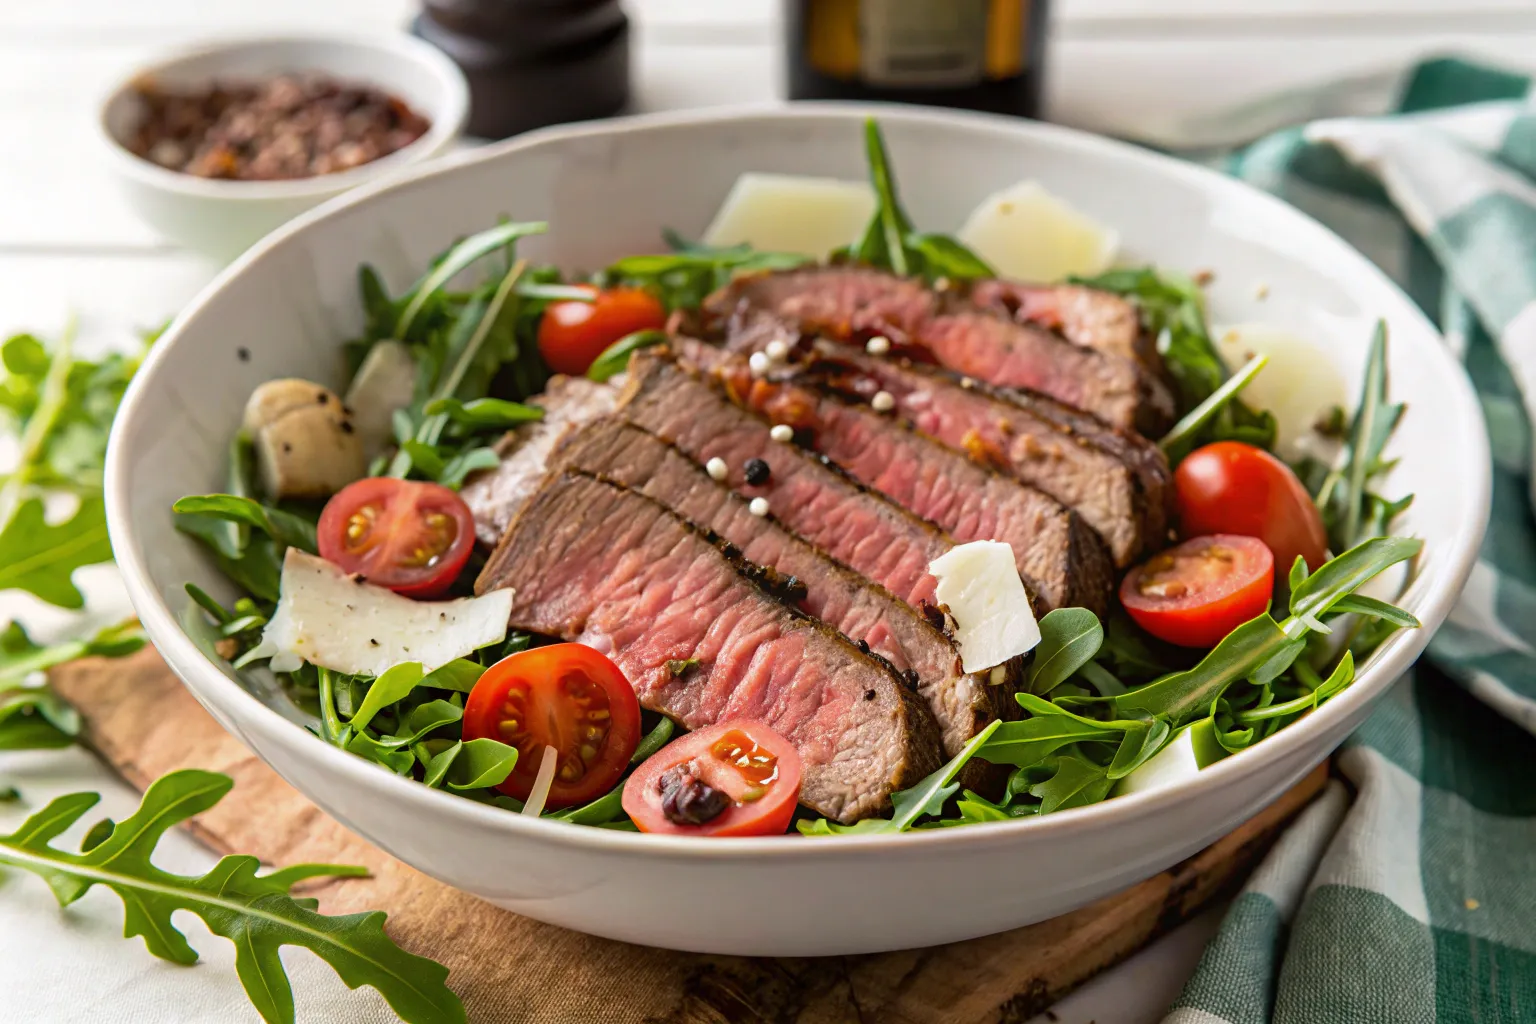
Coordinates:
column 719, row 541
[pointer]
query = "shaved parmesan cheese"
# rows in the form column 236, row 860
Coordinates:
column 1030, row 235
column 1191, row 749
column 327, row 618
column 979, row 584
column 1298, row 385
column 792, row 213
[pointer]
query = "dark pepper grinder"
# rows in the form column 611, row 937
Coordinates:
column 532, row 62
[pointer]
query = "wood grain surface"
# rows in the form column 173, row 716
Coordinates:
column 513, row 969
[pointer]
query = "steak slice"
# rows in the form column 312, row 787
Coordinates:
column 807, row 493
column 851, row 304
column 1084, row 316
column 1062, row 560
column 1119, row 482
column 599, row 564
column 496, row 494
column 864, row 611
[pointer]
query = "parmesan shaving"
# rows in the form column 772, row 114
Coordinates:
column 332, row 620
column 979, row 584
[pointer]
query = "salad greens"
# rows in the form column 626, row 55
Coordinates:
column 257, row 912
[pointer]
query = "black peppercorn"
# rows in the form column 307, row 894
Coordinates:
column 757, row 472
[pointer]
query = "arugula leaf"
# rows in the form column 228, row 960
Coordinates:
column 1032, row 740
column 24, row 357
column 1077, row 782
column 462, row 256
column 458, row 469
column 36, row 718
column 472, row 764
column 41, row 558
column 390, row 688
column 1342, row 675
column 1139, row 743
column 604, row 809
column 20, row 657
column 255, row 912
column 484, row 413
column 615, row 358
column 908, row 805
column 286, row 528
column 653, row 740
column 1342, row 576
column 425, row 718
column 1189, row 433
column 459, row 675
column 1350, row 512
column 1069, row 638
column 366, row 747
column 891, row 242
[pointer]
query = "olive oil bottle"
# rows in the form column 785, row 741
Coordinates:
column 979, row 54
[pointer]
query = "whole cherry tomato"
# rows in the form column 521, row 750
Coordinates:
column 573, row 333
column 1230, row 487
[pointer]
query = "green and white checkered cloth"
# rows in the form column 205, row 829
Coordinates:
column 1416, row 900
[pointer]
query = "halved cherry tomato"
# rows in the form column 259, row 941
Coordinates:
column 1230, row 487
column 732, row 779
column 566, row 696
column 1197, row 593
column 573, row 333
column 408, row 536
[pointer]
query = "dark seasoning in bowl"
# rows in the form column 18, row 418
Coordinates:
column 282, row 128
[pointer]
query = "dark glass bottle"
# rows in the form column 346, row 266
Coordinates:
column 979, row 54
column 533, row 62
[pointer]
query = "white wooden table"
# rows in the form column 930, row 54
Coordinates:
column 1163, row 70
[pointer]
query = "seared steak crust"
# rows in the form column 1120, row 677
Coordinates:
column 862, row 610
column 596, row 563
column 850, row 303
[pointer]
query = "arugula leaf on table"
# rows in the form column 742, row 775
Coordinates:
column 256, row 912
column 20, row 657
column 908, row 805
column 36, row 718
column 41, row 558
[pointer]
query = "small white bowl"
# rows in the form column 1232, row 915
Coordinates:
column 222, row 218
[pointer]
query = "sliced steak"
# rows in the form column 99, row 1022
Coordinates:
column 849, row 303
column 599, row 564
column 1062, row 560
column 806, row 492
column 1119, row 482
column 496, row 494
column 1084, row 316
column 862, row 610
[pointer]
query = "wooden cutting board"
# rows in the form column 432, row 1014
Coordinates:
column 510, row 968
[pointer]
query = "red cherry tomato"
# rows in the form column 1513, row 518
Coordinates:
column 1230, row 487
column 1197, row 593
column 573, row 333
column 733, row 779
column 566, row 696
column 408, row 536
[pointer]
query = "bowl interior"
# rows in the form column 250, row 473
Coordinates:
column 398, row 65
column 607, row 190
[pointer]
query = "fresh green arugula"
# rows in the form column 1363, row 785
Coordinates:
column 1172, row 309
column 257, row 912
column 891, row 242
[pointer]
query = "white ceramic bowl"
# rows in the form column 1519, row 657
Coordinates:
column 607, row 190
column 222, row 218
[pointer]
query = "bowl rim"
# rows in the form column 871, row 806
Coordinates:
column 1387, row 664
column 448, row 119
